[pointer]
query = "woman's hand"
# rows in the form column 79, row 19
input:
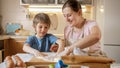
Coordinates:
column 64, row 53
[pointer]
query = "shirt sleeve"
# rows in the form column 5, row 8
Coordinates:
column 29, row 40
column 52, row 39
column 92, row 24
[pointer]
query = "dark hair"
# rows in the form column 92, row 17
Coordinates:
column 41, row 18
column 73, row 4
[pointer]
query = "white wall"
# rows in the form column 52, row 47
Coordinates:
column 112, row 22
column 100, row 17
column 108, row 18
column 13, row 12
column 112, row 29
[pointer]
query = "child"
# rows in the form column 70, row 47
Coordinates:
column 42, row 41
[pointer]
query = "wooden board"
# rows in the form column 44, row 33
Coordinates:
column 45, row 64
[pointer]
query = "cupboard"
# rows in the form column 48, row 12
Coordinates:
column 14, row 46
column 52, row 2
column 41, row 2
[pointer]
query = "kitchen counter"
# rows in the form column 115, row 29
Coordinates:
column 17, row 36
column 12, row 44
column 2, row 37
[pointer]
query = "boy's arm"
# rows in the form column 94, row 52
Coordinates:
column 54, row 47
column 58, row 46
column 31, row 50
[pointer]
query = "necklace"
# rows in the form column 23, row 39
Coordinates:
column 78, row 32
column 75, row 29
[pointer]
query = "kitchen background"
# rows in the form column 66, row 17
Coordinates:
column 13, row 12
column 105, row 12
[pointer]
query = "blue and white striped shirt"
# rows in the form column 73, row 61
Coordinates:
column 42, row 44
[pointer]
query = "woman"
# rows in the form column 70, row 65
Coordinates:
column 79, row 33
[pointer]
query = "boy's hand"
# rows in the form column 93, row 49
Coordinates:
column 54, row 48
column 37, row 54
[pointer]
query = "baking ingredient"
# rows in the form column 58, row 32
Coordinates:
column 20, row 63
column 9, row 62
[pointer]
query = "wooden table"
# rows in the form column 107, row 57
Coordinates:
column 45, row 64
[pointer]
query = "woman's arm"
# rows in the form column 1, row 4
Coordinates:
column 89, row 40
